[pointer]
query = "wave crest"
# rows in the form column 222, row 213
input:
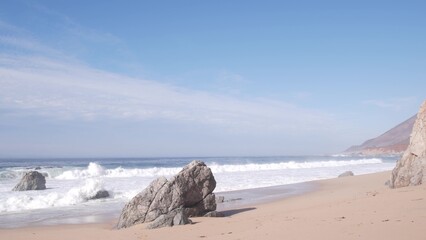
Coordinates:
column 73, row 196
column 251, row 167
column 96, row 170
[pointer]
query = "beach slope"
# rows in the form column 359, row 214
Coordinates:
column 359, row 207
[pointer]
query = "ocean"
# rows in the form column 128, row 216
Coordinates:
column 71, row 182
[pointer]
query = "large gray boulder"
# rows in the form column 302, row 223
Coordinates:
column 410, row 170
column 170, row 202
column 32, row 180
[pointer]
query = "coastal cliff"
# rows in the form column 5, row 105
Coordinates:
column 393, row 142
column 410, row 170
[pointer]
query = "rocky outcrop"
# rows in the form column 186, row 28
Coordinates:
column 32, row 180
column 346, row 174
column 410, row 170
column 170, row 202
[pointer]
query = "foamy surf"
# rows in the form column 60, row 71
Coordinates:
column 97, row 170
column 254, row 167
column 40, row 199
column 70, row 183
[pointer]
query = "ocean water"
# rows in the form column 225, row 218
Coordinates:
column 71, row 182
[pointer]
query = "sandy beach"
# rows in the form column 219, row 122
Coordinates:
column 359, row 207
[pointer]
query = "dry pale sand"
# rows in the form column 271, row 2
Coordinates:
column 359, row 207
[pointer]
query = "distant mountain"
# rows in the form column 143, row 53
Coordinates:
column 392, row 142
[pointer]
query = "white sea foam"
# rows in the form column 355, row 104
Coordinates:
column 96, row 170
column 9, row 174
column 126, row 183
column 29, row 200
column 93, row 170
column 69, row 187
column 14, row 173
column 253, row 167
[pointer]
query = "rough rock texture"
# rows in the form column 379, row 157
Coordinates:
column 175, row 217
column 170, row 202
column 410, row 170
column 32, row 180
column 100, row 194
column 346, row 174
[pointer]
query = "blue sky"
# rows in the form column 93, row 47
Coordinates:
column 205, row 78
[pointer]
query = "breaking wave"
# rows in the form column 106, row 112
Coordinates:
column 54, row 199
column 96, row 170
column 251, row 167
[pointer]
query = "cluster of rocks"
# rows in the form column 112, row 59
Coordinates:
column 171, row 202
column 163, row 203
column 34, row 180
column 190, row 193
column 410, row 170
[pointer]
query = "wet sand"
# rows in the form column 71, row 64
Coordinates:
column 359, row 207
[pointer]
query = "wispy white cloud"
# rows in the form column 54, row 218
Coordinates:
column 394, row 104
column 18, row 41
column 30, row 45
column 231, row 77
column 228, row 82
column 66, row 90
column 8, row 27
column 42, row 81
column 302, row 95
column 72, row 27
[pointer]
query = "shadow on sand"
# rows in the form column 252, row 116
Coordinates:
column 228, row 213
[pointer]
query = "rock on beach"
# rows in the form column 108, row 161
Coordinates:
column 171, row 202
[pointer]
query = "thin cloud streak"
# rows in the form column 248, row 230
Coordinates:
column 395, row 104
column 41, row 81
column 63, row 90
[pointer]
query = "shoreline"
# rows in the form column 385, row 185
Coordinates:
column 263, row 195
column 358, row 207
column 233, row 200
column 65, row 200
